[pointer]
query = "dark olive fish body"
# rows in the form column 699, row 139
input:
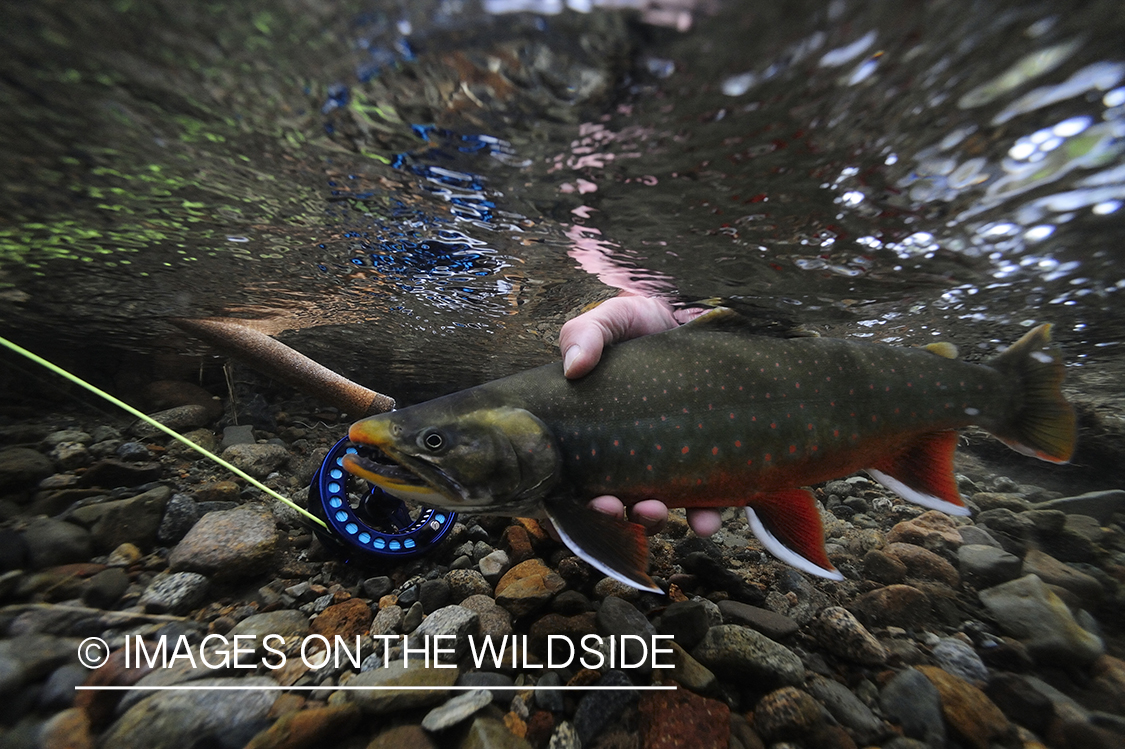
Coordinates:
column 706, row 419
column 709, row 416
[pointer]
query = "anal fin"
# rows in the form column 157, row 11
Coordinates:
column 788, row 525
column 611, row 545
column 922, row 473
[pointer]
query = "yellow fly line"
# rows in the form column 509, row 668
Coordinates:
column 149, row 420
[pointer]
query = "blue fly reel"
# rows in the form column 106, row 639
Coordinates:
column 366, row 522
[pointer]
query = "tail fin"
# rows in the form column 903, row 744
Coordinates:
column 1044, row 423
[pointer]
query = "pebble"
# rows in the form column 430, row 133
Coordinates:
column 739, row 653
column 721, row 577
column 105, row 588
column 795, row 597
column 668, row 720
column 1053, row 572
column 180, row 514
column 786, row 713
column 110, row 474
column 924, row 564
column 456, row 710
column 773, row 625
column 70, row 455
column 493, row 565
column 984, row 565
column 1026, row 609
column 994, row 500
column 597, row 709
column 132, row 451
column 68, row 729
column 527, row 587
column 931, row 530
column 1100, row 504
column 135, row 520
column 456, row 622
column 846, row 708
column 285, row 622
column 165, row 718
column 839, row 632
column 257, row 460
column 489, row 679
column 961, row 660
column 229, row 545
column 895, row 605
column 433, row 594
column 22, row 467
column 571, row 602
column 518, row 543
column 238, row 434
column 307, row 728
column 466, row 582
column 974, row 534
column 175, row 593
column 388, row 621
column 617, row 617
column 413, row 617
column 545, row 631
column 349, row 619
column 564, row 737
column 607, row 586
column 395, row 674
column 50, row 543
column 913, row 702
column 494, row 620
column 1020, row 701
column 377, row 587
column 29, row 657
column 686, row 621
column 883, row 568
column 688, row 671
column 58, row 691
column 489, row 733
column 402, row 737
column 967, row 710
column 180, row 419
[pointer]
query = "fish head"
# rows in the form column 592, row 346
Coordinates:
column 464, row 457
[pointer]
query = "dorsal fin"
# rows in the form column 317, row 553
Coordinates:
column 944, row 349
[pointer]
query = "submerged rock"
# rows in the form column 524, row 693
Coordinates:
column 1027, row 610
column 229, row 544
column 737, row 653
column 164, row 719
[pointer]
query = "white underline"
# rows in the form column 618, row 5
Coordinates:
column 279, row 688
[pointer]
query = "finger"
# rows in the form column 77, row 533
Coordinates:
column 652, row 514
column 608, row 505
column 582, row 339
column 704, row 522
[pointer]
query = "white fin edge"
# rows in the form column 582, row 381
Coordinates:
column 917, row 497
column 597, row 563
column 783, row 552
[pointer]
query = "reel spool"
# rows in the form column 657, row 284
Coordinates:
column 364, row 522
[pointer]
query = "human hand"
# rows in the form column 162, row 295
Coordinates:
column 581, row 341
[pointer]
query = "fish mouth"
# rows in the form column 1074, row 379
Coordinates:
column 400, row 475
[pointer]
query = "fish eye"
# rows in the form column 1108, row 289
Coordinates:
column 433, row 440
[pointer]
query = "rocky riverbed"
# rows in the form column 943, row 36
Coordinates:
column 1002, row 629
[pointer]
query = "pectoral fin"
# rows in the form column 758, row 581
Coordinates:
column 613, row 546
column 788, row 525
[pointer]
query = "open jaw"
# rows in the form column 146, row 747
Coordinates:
column 401, row 481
